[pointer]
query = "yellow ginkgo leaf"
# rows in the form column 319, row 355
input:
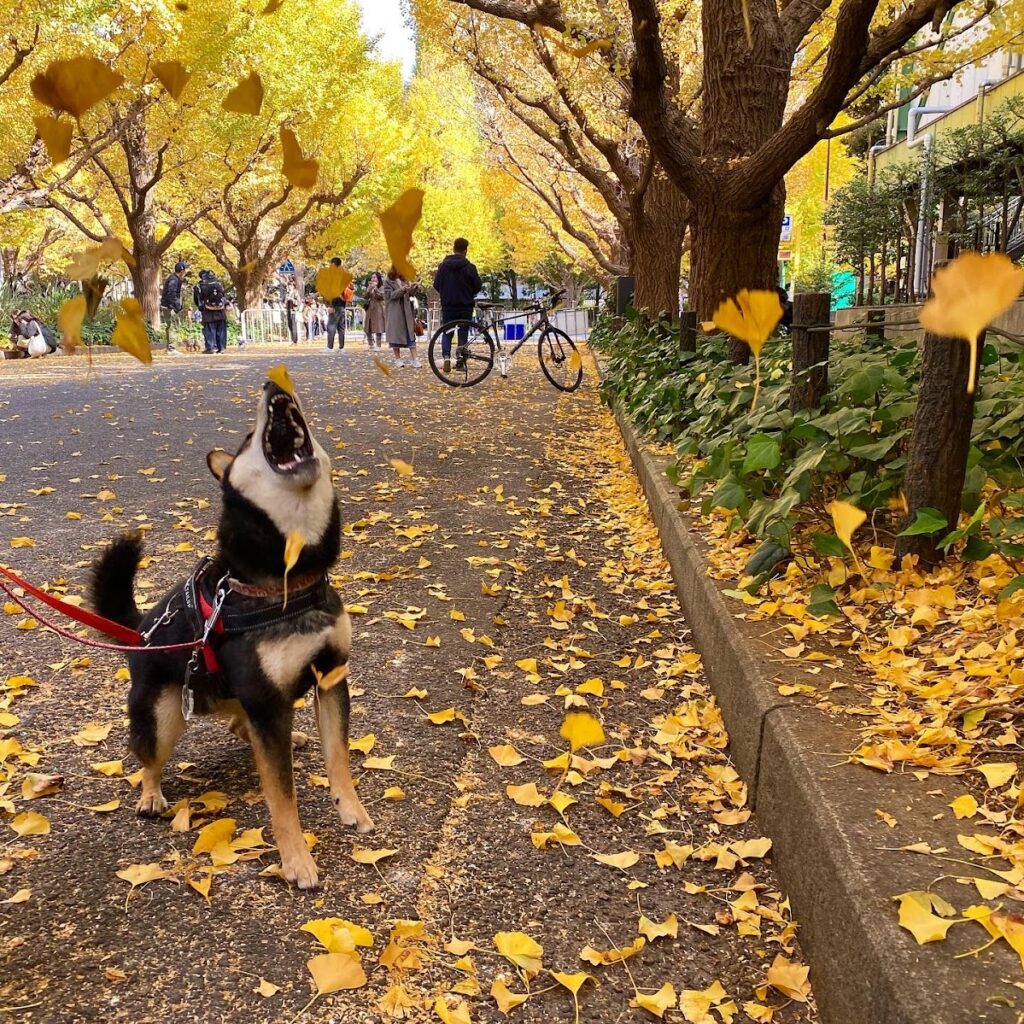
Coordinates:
column 506, row 755
column 293, row 545
column 846, row 519
column 1000, row 924
column 327, row 682
column 561, row 801
column 521, row 950
column 998, row 773
column 964, row 806
column 30, row 823
column 573, row 982
column 172, row 76
column 267, row 988
column 110, row 805
column 382, row 366
column 751, row 316
column 331, row 282
column 583, row 50
column 604, row 957
column 457, row 1014
column 56, row 134
column 442, row 717
column 246, row 97
column 400, row 467
column 109, row 768
column 130, row 331
column 791, row 978
column 337, row 935
column 363, row 855
column 86, row 262
column 650, row 930
column 301, row 171
column 280, row 376
column 69, row 321
column 581, row 729
column 140, row 874
column 506, row 1000
column 398, row 222
column 623, row 861
column 662, row 1000
column 526, row 796
column 967, row 295
column 213, row 834
column 75, row 85
column 333, row 972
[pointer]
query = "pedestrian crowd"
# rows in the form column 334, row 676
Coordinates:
column 393, row 312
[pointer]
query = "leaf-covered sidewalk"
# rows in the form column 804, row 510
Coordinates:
column 512, row 581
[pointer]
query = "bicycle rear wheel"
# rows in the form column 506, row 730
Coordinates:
column 467, row 364
column 559, row 359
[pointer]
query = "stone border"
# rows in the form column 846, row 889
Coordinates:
column 838, row 861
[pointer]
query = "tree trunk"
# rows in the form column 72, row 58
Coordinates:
column 146, row 284
column 655, row 238
column 939, row 441
column 734, row 248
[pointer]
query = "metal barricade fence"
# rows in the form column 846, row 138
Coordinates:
column 260, row 325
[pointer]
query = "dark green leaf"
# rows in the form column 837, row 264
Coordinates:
column 926, row 521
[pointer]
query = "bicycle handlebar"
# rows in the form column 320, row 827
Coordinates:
column 552, row 302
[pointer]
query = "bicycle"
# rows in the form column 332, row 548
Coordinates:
column 483, row 347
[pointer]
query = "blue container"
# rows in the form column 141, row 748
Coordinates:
column 514, row 332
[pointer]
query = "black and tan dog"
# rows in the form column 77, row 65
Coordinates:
column 266, row 652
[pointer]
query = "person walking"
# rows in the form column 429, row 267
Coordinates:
column 457, row 282
column 373, row 318
column 336, row 316
column 209, row 296
column 398, row 318
column 170, row 304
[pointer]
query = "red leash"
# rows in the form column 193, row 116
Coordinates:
column 133, row 639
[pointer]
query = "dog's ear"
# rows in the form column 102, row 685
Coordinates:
column 219, row 462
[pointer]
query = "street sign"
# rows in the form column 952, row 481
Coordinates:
column 286, row 268
column 787, row 229
column 785, row 254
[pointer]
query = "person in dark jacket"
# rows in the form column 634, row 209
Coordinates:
column 457, row 282
column 210, row 299
column 170, row 304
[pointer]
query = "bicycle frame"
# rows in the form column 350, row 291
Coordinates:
column 499, row 345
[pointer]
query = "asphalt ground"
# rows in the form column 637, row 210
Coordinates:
column 520, row 534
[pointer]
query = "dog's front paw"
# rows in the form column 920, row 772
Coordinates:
column 151, row 805
column 352, row 812
column 301, row 869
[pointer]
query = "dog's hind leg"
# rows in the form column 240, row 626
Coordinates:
column 332, row 711
column 156, row 726
column 270, row 735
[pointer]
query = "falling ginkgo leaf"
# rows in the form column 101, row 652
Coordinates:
column 301, row 171
column 967, row 295
column 382, row 366
column 280, row 376
column 400, row 467
column 130, row 331
column 751, row 316
column 246, row 97
column 581, row 729
column 398, row 222
column 56, row 134
column 74, row 85
column 172, row 76
column 69, row 321
column 272, row 5
column 846, row 519
column 331, row 282
column 86, row 262
column 293, row 545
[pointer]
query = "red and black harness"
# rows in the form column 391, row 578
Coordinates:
column 214, row 610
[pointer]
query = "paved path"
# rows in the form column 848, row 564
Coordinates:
column 521, row 538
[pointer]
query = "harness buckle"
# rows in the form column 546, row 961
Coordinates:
column 188, row 700
column 219, row 597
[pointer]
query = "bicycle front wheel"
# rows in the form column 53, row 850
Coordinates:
column 559, row 359
column 467, row 363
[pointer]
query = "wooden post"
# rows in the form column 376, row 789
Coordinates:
column 939, row 442
column 810, row 349
column 688, row 331
column 875, row 331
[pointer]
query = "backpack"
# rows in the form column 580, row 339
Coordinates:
column 213, row 295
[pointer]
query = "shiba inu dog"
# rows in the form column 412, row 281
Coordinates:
column 265, row 650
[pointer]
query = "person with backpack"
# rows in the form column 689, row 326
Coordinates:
column 336, row 317
column 457, row 282
column 170, row 304
column 210, row 300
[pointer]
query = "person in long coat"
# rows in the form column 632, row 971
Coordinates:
column 373, row 321
column 398, row 318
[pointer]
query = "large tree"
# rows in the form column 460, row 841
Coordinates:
column 775, row 75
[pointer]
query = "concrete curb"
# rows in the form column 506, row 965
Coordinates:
column 839, row 863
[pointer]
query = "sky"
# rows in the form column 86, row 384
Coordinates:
column 386, row 19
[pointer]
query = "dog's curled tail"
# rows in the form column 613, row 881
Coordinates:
column 112, row 588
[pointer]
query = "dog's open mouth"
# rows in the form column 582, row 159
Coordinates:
column 287, row 445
